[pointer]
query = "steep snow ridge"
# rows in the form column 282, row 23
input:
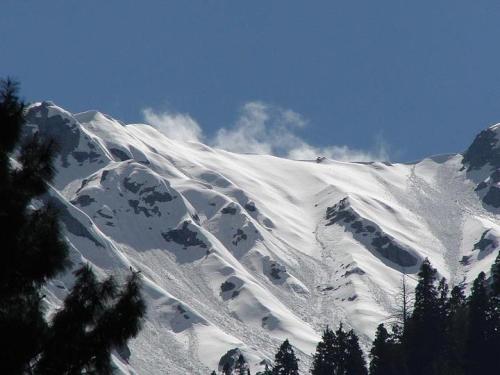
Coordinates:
column 239, row 252
column 373, row 235
column 484, row 150
column 482, row 162
column 81, row 153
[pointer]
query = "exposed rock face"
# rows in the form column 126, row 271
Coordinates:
column 369, row 233
column 83, row 200
column 230, row 288
column 492, row 197
column 484, row 155
column 119, row 154
column 484, row 150
column 74, row 144
column 250, row 206
column 229, row 210
column 489, row 190
column 487, row 242
column 239, row 236
column 184, row 236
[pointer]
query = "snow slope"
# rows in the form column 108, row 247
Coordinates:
column 243, row 251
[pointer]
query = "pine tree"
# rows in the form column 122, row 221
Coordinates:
column 443, row 301
column 399, row 355
column 32, row 249
column 340, row 350
column 381, row 361
column 338, row 353
column 483, row 335
column 422, row 337
column 494, row 315
column 443, row 315
column 477, row 338
column 323, row 359
column 96, row 317
column 457, row 299
column 94, row 320
column 285, row 362
column 213, row 372
column 355, row 362
column 456, row 326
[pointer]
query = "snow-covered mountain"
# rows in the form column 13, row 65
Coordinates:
column 243, row 251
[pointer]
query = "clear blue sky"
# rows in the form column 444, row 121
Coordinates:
column 423, row 74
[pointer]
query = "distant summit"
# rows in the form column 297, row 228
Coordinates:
column 485, row 150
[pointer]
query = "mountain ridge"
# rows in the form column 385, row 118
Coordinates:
column 243, row 251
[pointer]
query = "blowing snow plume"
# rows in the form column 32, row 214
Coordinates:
column 260, row 129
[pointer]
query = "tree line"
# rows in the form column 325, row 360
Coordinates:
column 445, row 333
column 97, row 316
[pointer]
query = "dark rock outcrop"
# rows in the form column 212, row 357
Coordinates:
column 369, row 234
column 184, row 236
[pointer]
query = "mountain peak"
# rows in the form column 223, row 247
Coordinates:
column 484, row 150
column 94, row 116
column 239, row 252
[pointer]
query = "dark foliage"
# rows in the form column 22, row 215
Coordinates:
column 285, row 362
column 95, row 319
column 447, row 333
column 338, row 353
column 241, row 367
column 324, row 358
column 422, row 336
column 382, row 353
column 32, row 250
column 96, row 316
column 355, row 362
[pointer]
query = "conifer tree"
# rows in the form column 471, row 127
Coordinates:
column 381, row 360
column 463, row 333
column 285, row 361
column 483, row 338
column 399, row 356
column 457, row 299
column 338, row 353
column 443, row 301
column 340, row 350
column 32, row 248
column 355, row 362
column 477, row 338
column 456, row 326
column 422, row 336
column 323, row 359
column 96, row 317
column 494, row 315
